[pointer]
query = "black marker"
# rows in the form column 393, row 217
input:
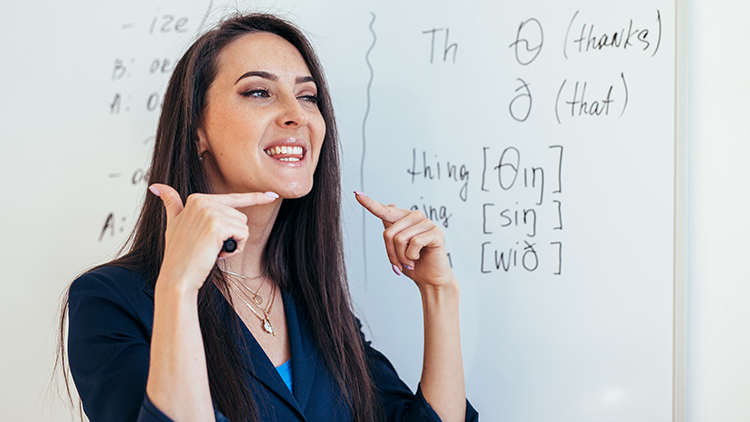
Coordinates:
column 230, row 245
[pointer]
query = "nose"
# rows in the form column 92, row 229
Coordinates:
column 292, row 113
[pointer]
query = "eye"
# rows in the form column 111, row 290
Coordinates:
column 256, row 93
column 312, row 99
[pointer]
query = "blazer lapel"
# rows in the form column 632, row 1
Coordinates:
column 305, row 360
column 304, row 354
column 261, row 368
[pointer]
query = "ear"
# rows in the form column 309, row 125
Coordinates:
column 202, row 141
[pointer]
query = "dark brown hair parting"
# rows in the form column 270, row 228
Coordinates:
column 304, row 254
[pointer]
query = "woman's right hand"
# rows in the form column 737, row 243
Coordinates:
column 177, row 375
column 196, row 231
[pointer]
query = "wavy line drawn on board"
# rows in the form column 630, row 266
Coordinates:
column 364, row 143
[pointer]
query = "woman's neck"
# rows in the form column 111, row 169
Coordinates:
column 260, row 221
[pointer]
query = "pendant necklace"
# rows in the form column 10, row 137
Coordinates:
column 264, row 319
column 257, row 298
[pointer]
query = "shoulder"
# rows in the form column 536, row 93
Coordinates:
column 112, row 284
column 110, row 320
column 110, row 278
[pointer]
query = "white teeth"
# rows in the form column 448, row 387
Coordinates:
column 285, row 150
column 288, row 159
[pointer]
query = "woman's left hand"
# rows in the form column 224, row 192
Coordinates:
column 416, row 247
column 414, row 244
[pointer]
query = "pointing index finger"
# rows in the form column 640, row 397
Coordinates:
column 383, row 212
column 241, row 200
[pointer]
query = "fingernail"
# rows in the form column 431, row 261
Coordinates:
column 154, row 190
column 396, row 270
column 272, row 195
column 356, row 192
column 408, row 267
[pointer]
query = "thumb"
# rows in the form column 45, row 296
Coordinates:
column 170, row 198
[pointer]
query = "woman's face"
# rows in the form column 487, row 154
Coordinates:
column 262, row 129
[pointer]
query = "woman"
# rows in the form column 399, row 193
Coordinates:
column 247, row 139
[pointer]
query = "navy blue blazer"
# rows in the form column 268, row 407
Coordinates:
column 111, row 312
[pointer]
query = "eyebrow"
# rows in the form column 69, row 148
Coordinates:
column 272, row 77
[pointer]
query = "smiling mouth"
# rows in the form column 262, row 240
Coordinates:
column 286, row 153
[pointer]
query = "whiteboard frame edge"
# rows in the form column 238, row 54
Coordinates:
column 679, row 348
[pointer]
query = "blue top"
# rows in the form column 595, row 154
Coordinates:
column 111, row 312
column 285, row 370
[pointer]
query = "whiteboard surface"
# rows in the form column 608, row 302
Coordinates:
column 473, row 113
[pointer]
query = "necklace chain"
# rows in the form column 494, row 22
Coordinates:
column 265, row 320
column 244, row 276
column 257, row 298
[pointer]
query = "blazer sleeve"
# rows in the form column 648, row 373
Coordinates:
column 110, row 317
column 399, row 403
column 108, row 345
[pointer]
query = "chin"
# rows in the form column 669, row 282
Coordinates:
column 298, row 191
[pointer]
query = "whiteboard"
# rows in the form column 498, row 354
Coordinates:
column 543, row 137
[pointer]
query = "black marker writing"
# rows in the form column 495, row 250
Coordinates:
column 583, row 103
column 580, row 106
column 559, row 168
column 529, row 50
column 508, row 217
column 438, row 214
column 168, row 23
column 592, row 39
column 161, row 66
column 520, row 111
column 433, row 170
column 559, row 257
column 109, row 225
column 509, row 168
column 448, row 47
column 507, row 259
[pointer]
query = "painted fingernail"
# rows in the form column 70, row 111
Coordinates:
column 408, row 267
column 154, row 190
column 359, row 193
column 272, row 195
column 396, row 270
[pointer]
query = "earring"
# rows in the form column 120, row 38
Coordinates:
column 200, row 156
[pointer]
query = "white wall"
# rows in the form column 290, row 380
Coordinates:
column 718, row 342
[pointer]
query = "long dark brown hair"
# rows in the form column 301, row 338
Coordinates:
column 304, row 253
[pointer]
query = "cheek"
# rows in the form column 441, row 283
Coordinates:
column 319, row 132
